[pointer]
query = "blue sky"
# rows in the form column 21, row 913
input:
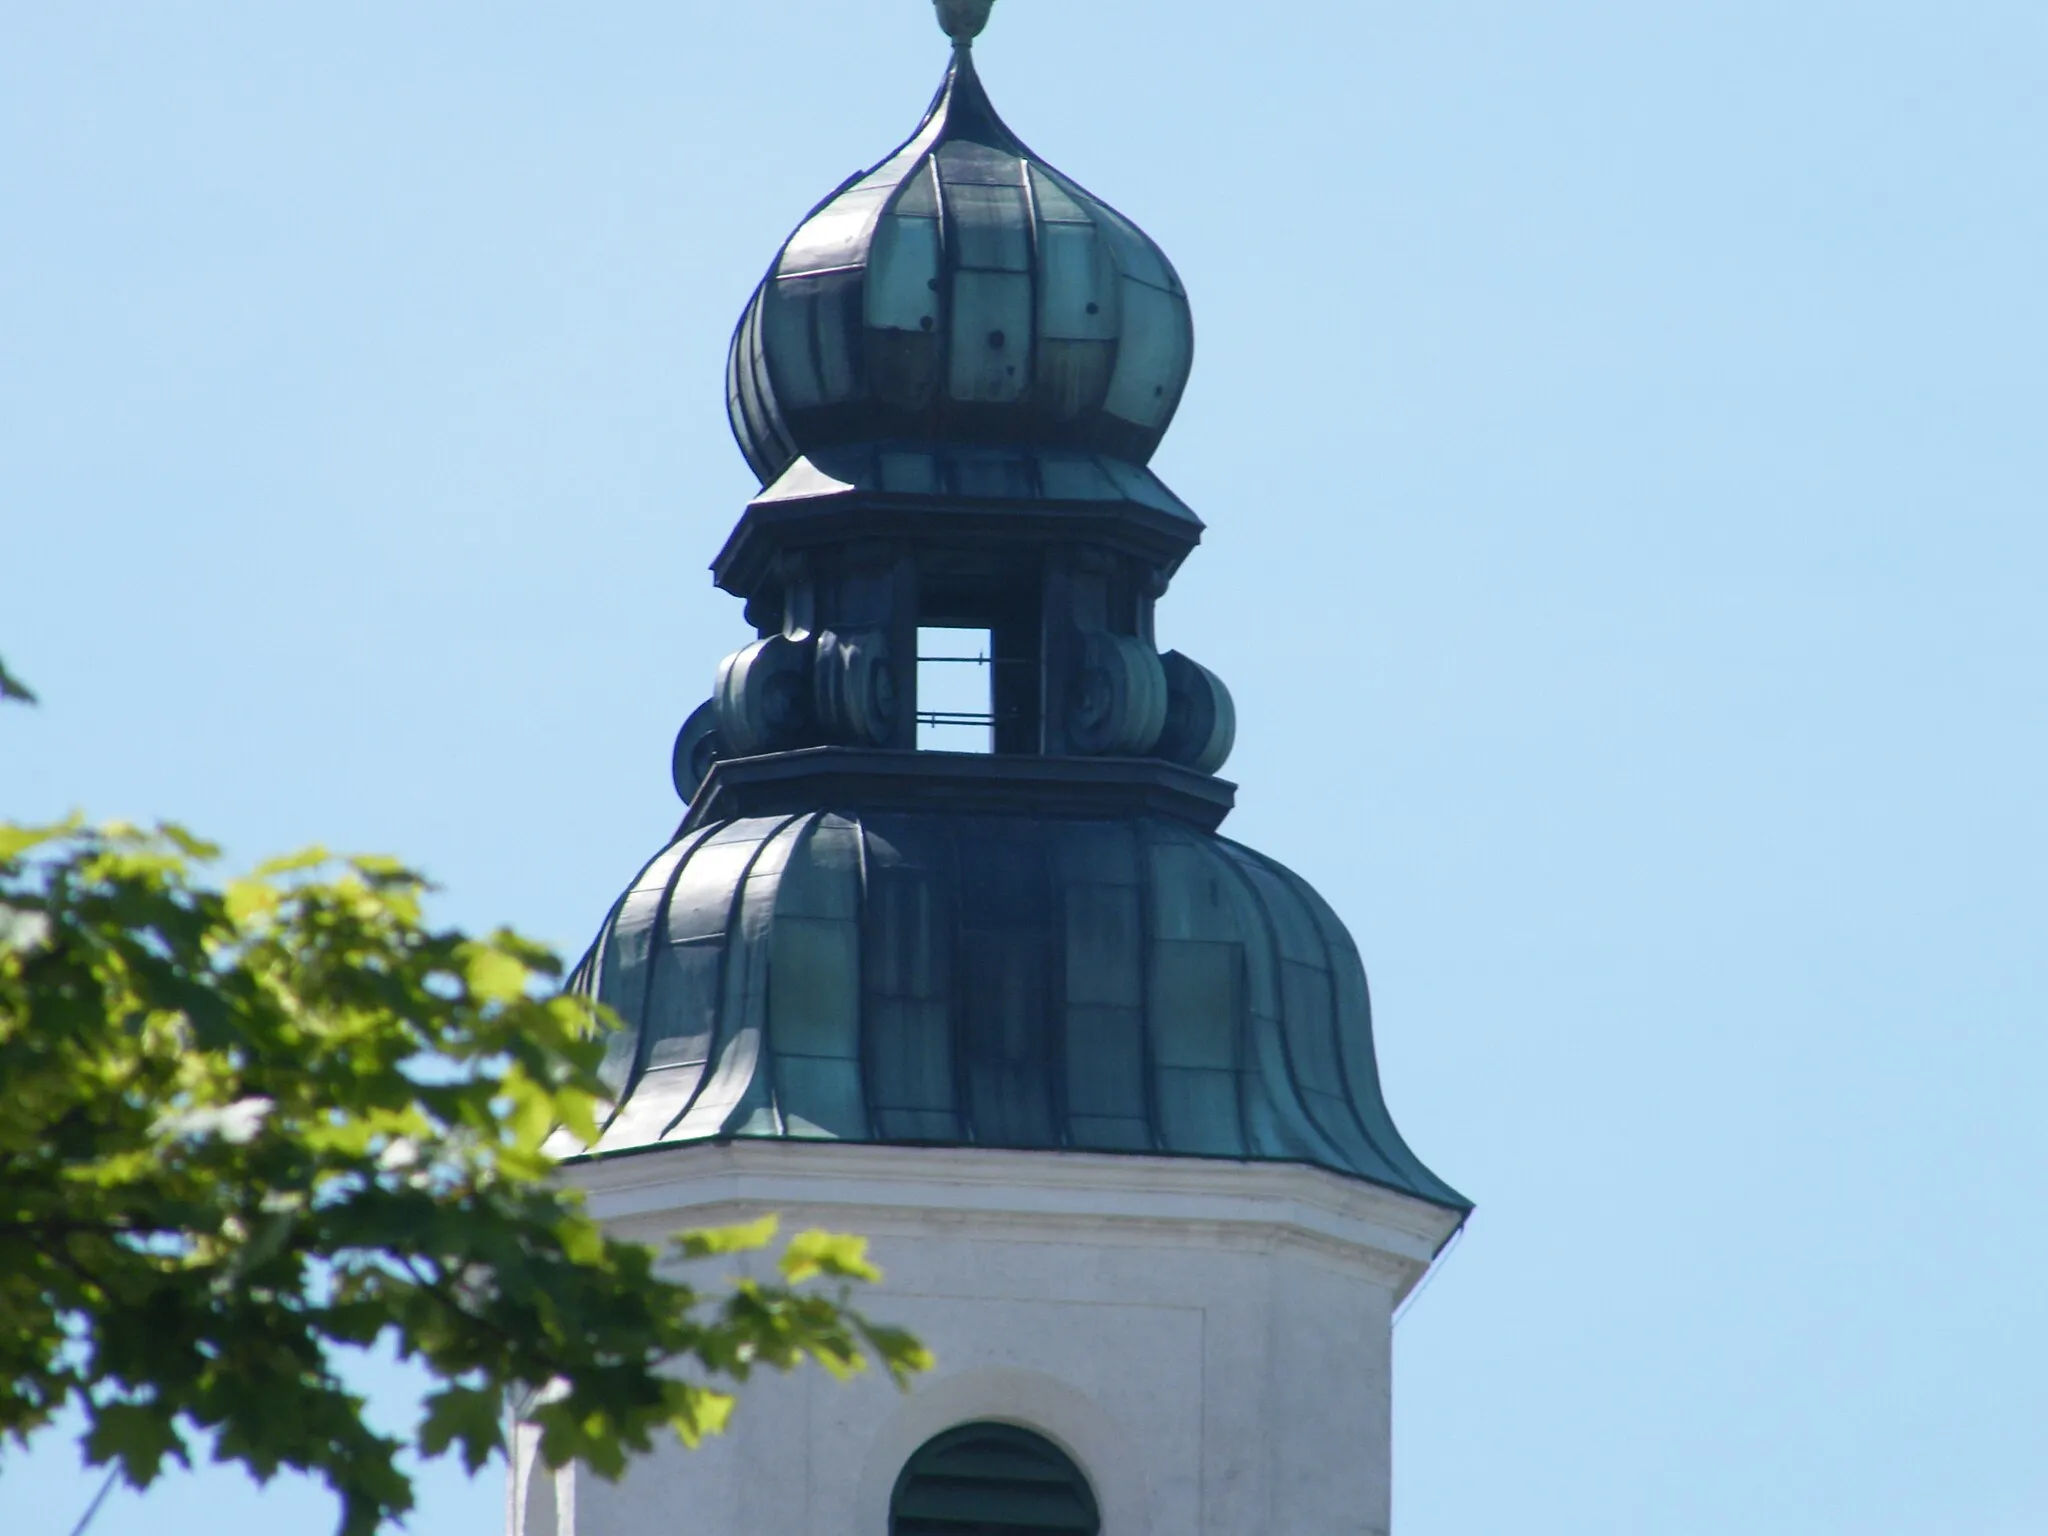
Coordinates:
column 1620, row 429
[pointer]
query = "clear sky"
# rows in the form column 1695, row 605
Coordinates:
column 1621, row 431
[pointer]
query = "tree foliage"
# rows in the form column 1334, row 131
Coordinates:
column 247, row 1129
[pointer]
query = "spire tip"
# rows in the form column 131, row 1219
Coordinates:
column 963, row 19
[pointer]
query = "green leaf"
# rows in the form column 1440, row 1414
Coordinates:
column 12, row 689
column 901, row 1353
column 139, row 1436
column 827, row 1253
column 530, row 1111
column 266, row 1245
column 15, row 839
column 299, row 863
column 469, row 1416
column 582, row 1240
column 492, row 975
column 577, row 1113
column 250, row 899
column 709, row 1242
column 192, row 847
column 711, row 1412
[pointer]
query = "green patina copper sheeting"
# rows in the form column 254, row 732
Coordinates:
column 961, row 291
column 1099, row 984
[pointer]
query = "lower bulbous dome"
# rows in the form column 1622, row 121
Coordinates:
column 1108, row 984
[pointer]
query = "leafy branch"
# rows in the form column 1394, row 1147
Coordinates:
column 252, row 1127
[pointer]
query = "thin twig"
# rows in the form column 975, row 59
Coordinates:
column 98, row 1499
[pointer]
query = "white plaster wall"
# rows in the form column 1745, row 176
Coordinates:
column 1210, row 1342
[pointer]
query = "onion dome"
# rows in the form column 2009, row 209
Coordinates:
column 961, row 291
column 900, row 975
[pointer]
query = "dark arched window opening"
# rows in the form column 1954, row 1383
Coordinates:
column 992, row 1480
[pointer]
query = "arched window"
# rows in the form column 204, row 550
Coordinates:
column 992, row 1480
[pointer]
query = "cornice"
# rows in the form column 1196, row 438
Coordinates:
column 970, row 783
column 1026, row 1196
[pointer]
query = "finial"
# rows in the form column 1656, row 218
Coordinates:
column 963, row 19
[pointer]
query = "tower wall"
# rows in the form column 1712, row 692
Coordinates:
column 1209, row 1341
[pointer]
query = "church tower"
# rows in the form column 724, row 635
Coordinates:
column 976, row 977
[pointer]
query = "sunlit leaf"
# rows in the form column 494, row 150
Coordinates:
column 298, row 863
column 826, row 1253
column 248, row 900
column 492, row 975
column 16, row 840
column 192, row 847
column 708, row 1242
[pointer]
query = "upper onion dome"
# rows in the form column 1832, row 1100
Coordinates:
column 961, row 291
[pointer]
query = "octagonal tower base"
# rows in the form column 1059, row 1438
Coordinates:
column 1209, row 1341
